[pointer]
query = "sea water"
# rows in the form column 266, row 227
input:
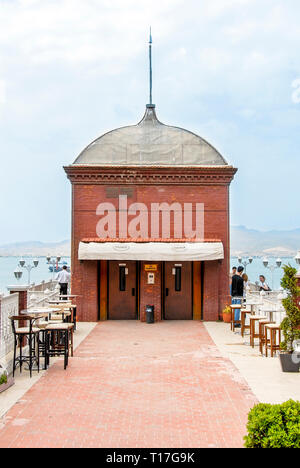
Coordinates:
column 256, row 268
column 42, row 273
column 9, row 264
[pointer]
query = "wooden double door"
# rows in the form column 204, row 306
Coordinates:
column 122, row 290
column 178, row 291
column 176, row 286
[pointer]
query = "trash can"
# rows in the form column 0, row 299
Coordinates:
column 150, row 313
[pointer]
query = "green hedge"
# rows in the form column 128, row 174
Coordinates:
column 3, row 379
column 274, row 426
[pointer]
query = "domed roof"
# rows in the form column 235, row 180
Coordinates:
column 150, row 143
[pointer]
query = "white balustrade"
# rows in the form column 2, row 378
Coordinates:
column 9, row 306
column 39, row 296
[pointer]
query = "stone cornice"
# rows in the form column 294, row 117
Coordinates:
column 145, row 175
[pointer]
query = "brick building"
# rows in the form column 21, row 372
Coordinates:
column 150, row 225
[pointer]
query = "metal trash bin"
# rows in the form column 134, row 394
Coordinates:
column 150, row 314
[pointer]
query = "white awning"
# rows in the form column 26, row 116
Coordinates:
column 151, row 251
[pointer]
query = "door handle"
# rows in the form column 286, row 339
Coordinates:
column 133, row 291
column 167, row 292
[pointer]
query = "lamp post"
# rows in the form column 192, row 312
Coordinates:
column 297, row 259
column 245, row 263
column 18, row 273
column 272, row 268
column 53, row 262
column 29, row 268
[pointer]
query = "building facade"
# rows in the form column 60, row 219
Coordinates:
column 150, row 225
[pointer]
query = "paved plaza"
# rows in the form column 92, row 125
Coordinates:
column 135, row 385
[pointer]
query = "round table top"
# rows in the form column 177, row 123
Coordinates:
column 38, row 311
column 69, row 295
column 257, row 317
column 59, row 302
column 269, row 311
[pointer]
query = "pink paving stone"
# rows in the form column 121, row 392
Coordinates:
column 135, row 385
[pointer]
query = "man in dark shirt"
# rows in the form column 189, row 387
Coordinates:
column 237, row 290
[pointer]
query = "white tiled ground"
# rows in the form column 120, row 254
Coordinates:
column 263, row 375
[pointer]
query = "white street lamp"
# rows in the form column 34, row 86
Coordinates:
column 245, row 262
column 272, row 268
column 18, row 274
column 22, row 264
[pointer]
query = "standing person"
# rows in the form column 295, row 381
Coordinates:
column 246, row 280
column 63, row 278
column 234, row 271
column 237, row 290
column 231, row 276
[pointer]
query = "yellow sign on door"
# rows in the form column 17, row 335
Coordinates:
column 151, row 267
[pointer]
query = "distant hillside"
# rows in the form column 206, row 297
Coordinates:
column 35, row 248
column 271, row 243
column 243, row 242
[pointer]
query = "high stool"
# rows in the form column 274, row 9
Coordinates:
column 20, row 334
column 272, row 343
column 244, row 327
column 73, row 319
column 253, row 334
column 262, row 336
column 234, row 322
column 58, row 341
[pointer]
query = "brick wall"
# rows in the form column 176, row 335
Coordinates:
column 87, row 197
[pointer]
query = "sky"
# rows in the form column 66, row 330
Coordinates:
column 70, row 70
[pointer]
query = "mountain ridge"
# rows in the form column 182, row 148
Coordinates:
column 244, row 241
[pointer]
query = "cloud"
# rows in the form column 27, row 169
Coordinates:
column 222, row 68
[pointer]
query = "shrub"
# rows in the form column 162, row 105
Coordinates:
column 3, row 379
column 291, row 322
column 274, row 426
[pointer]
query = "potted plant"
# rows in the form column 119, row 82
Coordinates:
column 5, row 381
column 227, row 315
column 290, row 325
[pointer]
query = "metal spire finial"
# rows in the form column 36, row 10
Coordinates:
column 150, row 62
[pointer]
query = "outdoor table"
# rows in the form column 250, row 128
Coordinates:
column 69, row 296
column 252, row 304
column 45, row 311
column 58, row 302
column 272, row 312
column 38, row 313
column 68, row 305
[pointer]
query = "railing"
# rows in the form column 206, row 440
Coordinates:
column 41, row 294
column 9, row 306
column 44, row 286
column 38, row 296
column 270, row 301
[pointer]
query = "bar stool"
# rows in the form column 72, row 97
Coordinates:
column 244, row 327
column 272, row 343
column 20, row 334
column 73, row 309
column 262, row 337
column 253, row 320
column 234, row 322
column 58, row 341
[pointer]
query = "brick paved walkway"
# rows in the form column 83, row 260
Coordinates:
column 135, row 385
